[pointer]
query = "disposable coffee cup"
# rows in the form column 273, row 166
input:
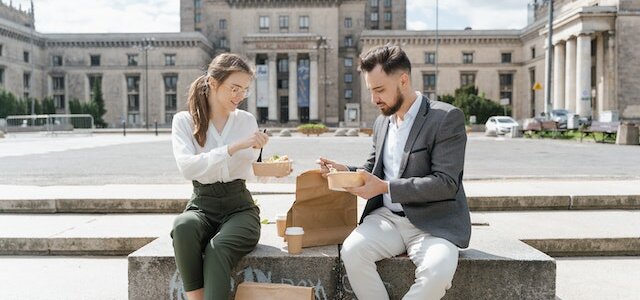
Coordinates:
column 294, row 239
column 281, row 223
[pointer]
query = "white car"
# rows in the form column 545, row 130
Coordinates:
column 499, row 125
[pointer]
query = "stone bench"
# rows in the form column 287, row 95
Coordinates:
column 493, row 267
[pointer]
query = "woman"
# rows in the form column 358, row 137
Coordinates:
column 214, row 144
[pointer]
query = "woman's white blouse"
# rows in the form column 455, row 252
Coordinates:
column 212, row 163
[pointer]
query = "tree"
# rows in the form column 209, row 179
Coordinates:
column 97, row 110
column 467, row 99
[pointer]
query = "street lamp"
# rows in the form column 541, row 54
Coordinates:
column 145, row 46
column 324, row 45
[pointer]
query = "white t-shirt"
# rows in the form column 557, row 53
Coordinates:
column 212, row 163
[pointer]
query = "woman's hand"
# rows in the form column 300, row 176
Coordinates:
column 325, row 164
column 255, row 141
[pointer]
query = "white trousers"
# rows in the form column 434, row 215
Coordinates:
column 382, row 235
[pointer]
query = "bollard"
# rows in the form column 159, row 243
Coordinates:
column 156, row 124
column 124, row 128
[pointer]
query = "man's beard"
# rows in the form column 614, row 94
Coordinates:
column 396, row 106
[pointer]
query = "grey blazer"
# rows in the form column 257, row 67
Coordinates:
column 430, row 185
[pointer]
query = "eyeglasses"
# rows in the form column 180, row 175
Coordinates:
column 238, row 91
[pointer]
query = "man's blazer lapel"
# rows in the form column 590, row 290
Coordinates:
column 413, row 134
column 382, row 137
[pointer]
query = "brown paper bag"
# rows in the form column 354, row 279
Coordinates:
column 273, row 291
column 326, row 216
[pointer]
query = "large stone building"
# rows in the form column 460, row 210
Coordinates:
column 306, row 56
column 596, row 60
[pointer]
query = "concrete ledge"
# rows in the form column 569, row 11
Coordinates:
column 494, row 267
column 587, row 246
column 167, row 205
column 99, row 246
column 505, row 203
column 606, row 202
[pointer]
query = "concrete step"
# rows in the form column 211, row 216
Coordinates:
column 494, row 267
column 576, row 233
column 486, row 196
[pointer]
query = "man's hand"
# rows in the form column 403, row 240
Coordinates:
column 325, row 164
column 373, row 186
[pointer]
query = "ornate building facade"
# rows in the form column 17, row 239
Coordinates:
column 306, row 56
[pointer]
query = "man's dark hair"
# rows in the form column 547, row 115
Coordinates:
column 391, row 57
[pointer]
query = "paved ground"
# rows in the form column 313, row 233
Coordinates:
column 109, row 159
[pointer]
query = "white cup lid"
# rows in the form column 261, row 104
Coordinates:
column 281, row 217
column 294, row 231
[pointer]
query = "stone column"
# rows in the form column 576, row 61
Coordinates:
column 610, row 75
column 583, row 74
column 558, row 76
column 252, row 105
column 293, row 86
column 599, row 75
column 570, row 75
column 547, row 103
column 273, row 88
column 313, row 87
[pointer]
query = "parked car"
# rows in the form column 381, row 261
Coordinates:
column 560, row 116
column 499, row 125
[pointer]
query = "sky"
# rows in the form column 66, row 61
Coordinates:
column 100, row 16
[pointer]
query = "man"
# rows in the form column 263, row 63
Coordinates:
column 413, row 183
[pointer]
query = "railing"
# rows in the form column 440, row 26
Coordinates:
column 50, row 124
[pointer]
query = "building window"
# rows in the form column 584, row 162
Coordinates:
column 222, row 23
column 283, row 84
column 56, row 60
column 429, row 84
column 58, row 101
column 348, row 62
column 170, row 97
column 25, row 56
column 374, row 17
column 197, row 3
column 223, row 43
column 283, row 65
column 467, row 58
column 169, row 59
column 347, row 23
column 505, row 58
column 348, row 78
column 1, row 75
column 95, row 60
column 283, row 21
column 348, row 41
column 264, row 23
column 533, row 52
column 26, row 80
column 197, row 17
column 374, row 3
column 387, row 16
column 133, row 93
column 304, row 22
column 387, row 3
column 348, row 93
column 0, row 49
column 467, row 79
column 506, row 86
column 94, row 80
column 430, row 58
column 57, row 83
column 132, row 59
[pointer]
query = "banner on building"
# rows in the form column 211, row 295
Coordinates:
column 262, row 86
column 303, row 83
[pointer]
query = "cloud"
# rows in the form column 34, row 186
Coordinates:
column 102, row 16
column 71, row 16
column 497, row 14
